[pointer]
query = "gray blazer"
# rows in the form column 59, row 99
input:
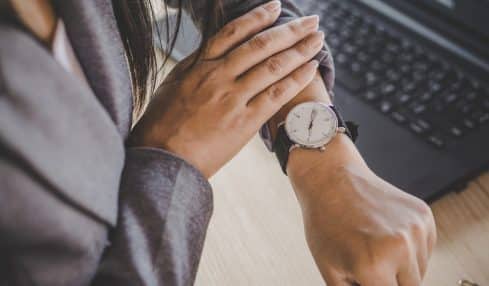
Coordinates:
column 76, row 206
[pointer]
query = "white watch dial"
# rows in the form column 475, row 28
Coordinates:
column 311, row 124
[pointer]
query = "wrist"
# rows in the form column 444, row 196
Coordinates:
column 312, row 171
column 315, row 91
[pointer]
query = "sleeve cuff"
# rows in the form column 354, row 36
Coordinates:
column 166, row 163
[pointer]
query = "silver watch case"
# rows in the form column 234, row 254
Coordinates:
column 320, row 145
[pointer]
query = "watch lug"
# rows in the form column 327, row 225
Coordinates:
column 295, row 146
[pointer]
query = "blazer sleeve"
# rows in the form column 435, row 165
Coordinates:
column 165, row 208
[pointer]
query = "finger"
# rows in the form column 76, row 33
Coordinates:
column 332, row 278
column 425, row 235
column 432, row 237
column 268, row 43
column 266, row 104
column 409, row 274
column 335, row 281
column 421, row 236
column 382, row 276
column 378, row 281
column 280, row 65
column 422, row 258
column 242, row 28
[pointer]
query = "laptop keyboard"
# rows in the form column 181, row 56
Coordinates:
column 400, row 79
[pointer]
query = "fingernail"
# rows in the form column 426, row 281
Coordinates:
column 311, row 22
column 273, row 6
column 315, row 64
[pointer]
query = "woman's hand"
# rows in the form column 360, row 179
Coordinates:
column 249, row 71
column 361, row 230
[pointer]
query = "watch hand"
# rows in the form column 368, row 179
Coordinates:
column 313, row 116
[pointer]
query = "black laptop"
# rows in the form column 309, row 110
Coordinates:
column 415, row 75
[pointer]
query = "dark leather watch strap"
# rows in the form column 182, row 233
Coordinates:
column 281, row 147
column 282, row 143
column 351, row 128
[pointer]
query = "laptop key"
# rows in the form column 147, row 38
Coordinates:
column 456, row 131
column 420, row 126
column 483, row 117
column 434, row 86
column 451, row 98
column 409, row 87
column 424, row 124
column 377, row 66
column 418, row 108
column 436, row 141
column 356, row 68
column 426, row 96
column 387, row 89
column 398, row 117
column 469, row 124
column 393, row 75
column 371, row 78
column 386, row 106
column 371, row 95
column 404, row 98
column 417, row 129
column 341, row 59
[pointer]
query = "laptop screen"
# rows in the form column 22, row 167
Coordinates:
column 465, row 21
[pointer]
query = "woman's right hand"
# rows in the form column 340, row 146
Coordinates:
column 248, row 71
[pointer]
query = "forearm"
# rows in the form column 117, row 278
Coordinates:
column 303, row 164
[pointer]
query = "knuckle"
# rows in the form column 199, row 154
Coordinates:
column 209, row 77
column 295, row 27
column 425, row 213
column 261, row 15
column 297, row 79
column 400, row 241
column 230, row 30
column 424, row 210
column 276, row 91
column 275, row 65
column 237, row 121
column 231, row 100
column 304, row 48
column 211, row 48
column 261, row 41
column 417, row 229
column 368, row 264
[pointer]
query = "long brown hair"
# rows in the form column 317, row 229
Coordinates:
column 136, row 21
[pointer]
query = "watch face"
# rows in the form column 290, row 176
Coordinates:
column 311, row 124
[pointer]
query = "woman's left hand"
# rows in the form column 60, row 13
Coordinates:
column 208, row 112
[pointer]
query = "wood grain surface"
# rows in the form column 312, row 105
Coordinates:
column 256, row 234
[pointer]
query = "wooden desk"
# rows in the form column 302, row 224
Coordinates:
column 256, row 236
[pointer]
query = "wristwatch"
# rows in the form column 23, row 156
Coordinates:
column 310, row 125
